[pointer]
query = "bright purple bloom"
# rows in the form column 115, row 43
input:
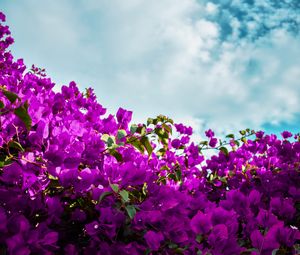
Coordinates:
column 124, row 117
column 209, row 133
column 213, row 142
column 259, row 134
column 176, row 143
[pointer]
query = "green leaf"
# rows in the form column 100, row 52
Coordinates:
column 167, row 128
column 242, row 132
column 133, row 128
column 161, row 152
column 237, row 143
column 230, row 136
column 149, row 121
column 172, row 177
column 110, row 141
column 7, row 161
column 104, row 195
column 223, row 179
column 81, row 201
column 147, row 251
column 224, row 150
column 170, row 121
column 274, row 252
column 121, row 133
column 178, row 174
column 22, row 113
column 125, row 195
column 144, row 189
column 165, row 141
column 136, row 143
column 1, row 104
column 118, row 156
column 51, row 177
column 172, row 245
column 146, row 143
column 131, row 211
column 199, row 238
column 141, row 130
column 165, row 168
column 104, row 137
column 162, row 118
column 15, row 145
column 244, row 139
column 161, row 133
column 12, row 97
column 155, row 121
column 162, row 179
column 115, row 187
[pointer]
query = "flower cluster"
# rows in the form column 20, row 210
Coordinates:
column 75, row 180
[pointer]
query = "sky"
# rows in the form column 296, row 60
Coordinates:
column 225, row 65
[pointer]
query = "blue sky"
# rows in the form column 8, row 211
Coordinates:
column 222, row 64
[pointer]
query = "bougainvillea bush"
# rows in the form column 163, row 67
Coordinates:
column 76, row 180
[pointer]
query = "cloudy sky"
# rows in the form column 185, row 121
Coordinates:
column 225, row 64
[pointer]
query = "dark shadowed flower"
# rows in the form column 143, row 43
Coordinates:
column 286, row 134
column 153, row 239
column 201, row 223
column 218, row 237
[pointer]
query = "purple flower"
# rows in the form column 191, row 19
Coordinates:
column 265, row 243
column 286, row 134
column 3, row 220
column 209, row 133
column 200, row 223
column 283, row 207
column 2, row 17
column 16, row 245
column 213, row 142
column 266, row 219
column 50, row 238
column 132, row 175
column 153, row 239
column 254, row 197
column 180, row 128
column 12, row 174
column 218, row 237
column 67, row 177
column 92, row 228
column 176, row 143
column 70, row 249
column 287, row 235
column 259, row 134
column 124, row 117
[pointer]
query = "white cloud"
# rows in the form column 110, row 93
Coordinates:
column 211, row 8
column 169, row 57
